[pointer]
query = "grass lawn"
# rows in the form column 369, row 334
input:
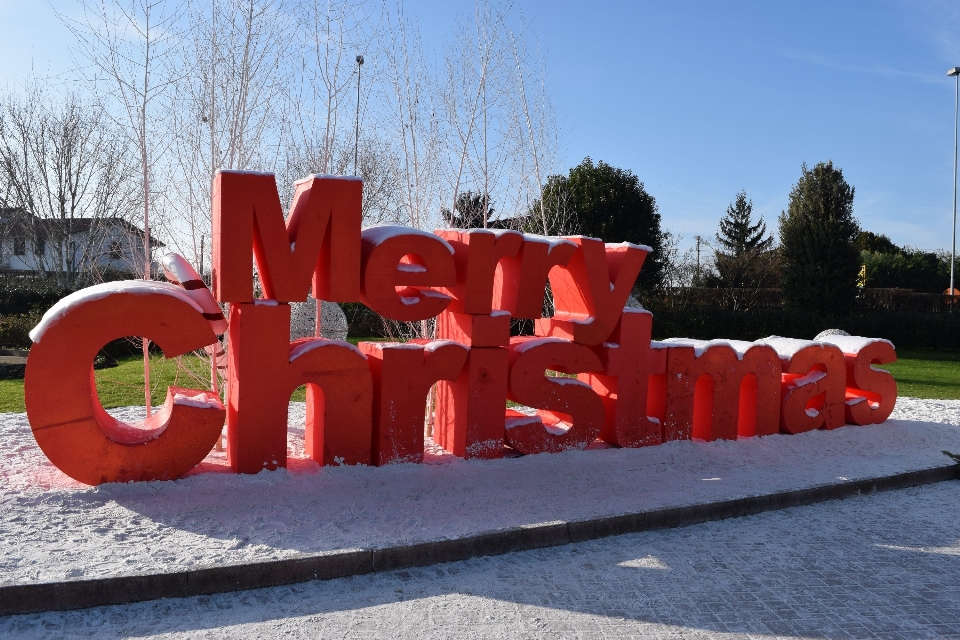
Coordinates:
column 919, row 373
column 925, row 373
column 122, row 385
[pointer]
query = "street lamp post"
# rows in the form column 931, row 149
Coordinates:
column 955, row 72
column 356, row 142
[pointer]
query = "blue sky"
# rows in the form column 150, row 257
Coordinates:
column 703, row 99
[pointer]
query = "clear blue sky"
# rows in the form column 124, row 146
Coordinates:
column 703, row 99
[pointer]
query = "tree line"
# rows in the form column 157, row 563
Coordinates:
column 166, row 92
column 822, row 262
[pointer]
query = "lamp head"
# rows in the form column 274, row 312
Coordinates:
column 360, row 61
column 954, row 72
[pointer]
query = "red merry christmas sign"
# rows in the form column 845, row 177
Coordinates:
column 366, row 404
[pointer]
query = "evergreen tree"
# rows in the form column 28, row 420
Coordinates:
column 744, row 260
column 737, row 235
column 817, row 236
column 876, row 243
column 468, row 212
column 601, row 201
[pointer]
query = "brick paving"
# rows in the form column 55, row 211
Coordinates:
column 881, row 566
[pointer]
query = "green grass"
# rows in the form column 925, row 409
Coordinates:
column 122, row 385
column 922, row 373
column 919, row 373
column 11, row 395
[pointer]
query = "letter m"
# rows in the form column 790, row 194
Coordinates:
column 319, row 241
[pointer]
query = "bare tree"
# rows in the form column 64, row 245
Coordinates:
column 227, row 109
column 537, row 138
column 471, row 92
column 411, row 120
column 126, row 44
column 500, row 132
column 67, row 181
column 324, row 104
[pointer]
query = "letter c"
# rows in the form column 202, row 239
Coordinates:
column 66, row 416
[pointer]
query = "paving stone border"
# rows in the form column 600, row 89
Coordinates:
column 125, row 589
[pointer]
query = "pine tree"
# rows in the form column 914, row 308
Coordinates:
column 468, row 213
column 744, row 259
column 737, row 236
column 817, row 236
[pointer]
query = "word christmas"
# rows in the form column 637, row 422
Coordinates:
column 366, row 404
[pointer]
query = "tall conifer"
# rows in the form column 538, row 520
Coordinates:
column 737, row 235
column 817, row 236
column 744, row 259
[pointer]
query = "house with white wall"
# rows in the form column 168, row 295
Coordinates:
column 80, row 248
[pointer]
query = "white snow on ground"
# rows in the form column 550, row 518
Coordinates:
column 53, row 528
column 879, row 566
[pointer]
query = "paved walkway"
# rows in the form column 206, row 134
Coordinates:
column 52, row 528
column 881, row 566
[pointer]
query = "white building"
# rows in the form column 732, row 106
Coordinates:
column 74, row 248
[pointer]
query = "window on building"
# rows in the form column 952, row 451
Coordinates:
column 19, row 246
column 41, row 246
column 116, row 250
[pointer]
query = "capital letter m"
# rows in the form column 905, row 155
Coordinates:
column 320, row 239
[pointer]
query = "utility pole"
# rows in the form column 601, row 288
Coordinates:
column 955, row 72
column 697, row 277
column 356, row 144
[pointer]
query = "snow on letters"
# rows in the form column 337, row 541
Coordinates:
column 590, row 372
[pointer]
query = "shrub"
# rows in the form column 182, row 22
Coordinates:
column 909, row 269
column 15, row 330
column 817, row 234
column 362, row 322
column 905, row 329
column 20, row 299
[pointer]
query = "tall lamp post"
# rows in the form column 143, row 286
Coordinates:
column 955, row 72
column 356, row 142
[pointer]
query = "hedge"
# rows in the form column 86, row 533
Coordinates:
column 15, row 330
column 21, row 309
column 905, row 329
column 18, row 300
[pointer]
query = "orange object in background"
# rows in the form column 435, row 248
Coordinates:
column 812, row 387
column 399, row 266
column 265, row 369
column 730, row 389
column 628, row 365
column 318, row 245
column 871, row 393
column 403, row 374
column 66, row 416
column 569, row 414
column 589, row 292
column 469, row 419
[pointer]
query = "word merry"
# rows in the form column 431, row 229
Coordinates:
column 366, row 404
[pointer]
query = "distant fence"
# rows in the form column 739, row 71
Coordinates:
column 14, row 278
column 904, row 300
column 750, row 299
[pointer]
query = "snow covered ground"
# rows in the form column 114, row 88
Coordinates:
column 52, row 528
column 883, row 566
